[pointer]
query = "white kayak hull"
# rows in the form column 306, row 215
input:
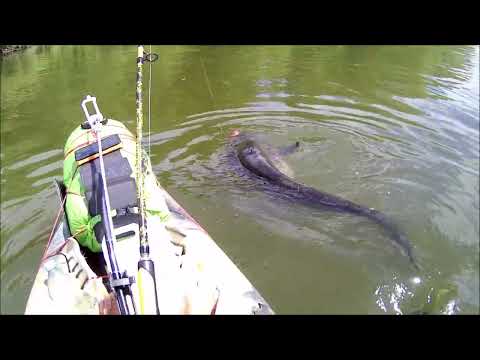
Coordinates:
column 193, row 274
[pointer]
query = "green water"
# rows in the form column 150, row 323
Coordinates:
column 394, row 128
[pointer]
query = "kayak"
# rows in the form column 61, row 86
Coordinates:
column 193, row 275
column 196, row 277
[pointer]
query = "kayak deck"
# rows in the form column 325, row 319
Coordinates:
column 193, row 274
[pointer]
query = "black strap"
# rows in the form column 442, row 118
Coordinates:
column 92, row 149
column 86, row 125
column 62, row 193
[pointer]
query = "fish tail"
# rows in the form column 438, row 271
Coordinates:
column 314, row 197
column 395, row 233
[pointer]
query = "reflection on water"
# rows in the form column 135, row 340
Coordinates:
column 395, row 128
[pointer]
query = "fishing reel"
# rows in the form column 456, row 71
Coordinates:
column 150, row 57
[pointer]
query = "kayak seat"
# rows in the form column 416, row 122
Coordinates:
column 121, row 187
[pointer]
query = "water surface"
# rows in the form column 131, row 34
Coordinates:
column 395, row 128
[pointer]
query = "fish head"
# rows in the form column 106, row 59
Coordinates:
column 237, row 136
column 248, row 150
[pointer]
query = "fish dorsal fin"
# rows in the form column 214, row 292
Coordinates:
column 289, row 149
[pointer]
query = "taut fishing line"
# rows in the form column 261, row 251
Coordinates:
column 149, row 102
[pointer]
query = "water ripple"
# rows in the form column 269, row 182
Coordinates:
column 394, row 128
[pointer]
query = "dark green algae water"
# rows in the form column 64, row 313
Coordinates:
column 390, row 127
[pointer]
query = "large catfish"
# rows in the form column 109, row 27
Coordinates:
column 258, row 159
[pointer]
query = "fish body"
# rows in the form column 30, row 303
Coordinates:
column 253, row 157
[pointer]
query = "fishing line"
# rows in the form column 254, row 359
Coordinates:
column 208, row 82
column 209, row 89
column 149, row 97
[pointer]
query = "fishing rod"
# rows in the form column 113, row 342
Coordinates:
column 147, row 287
column 119, row 280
